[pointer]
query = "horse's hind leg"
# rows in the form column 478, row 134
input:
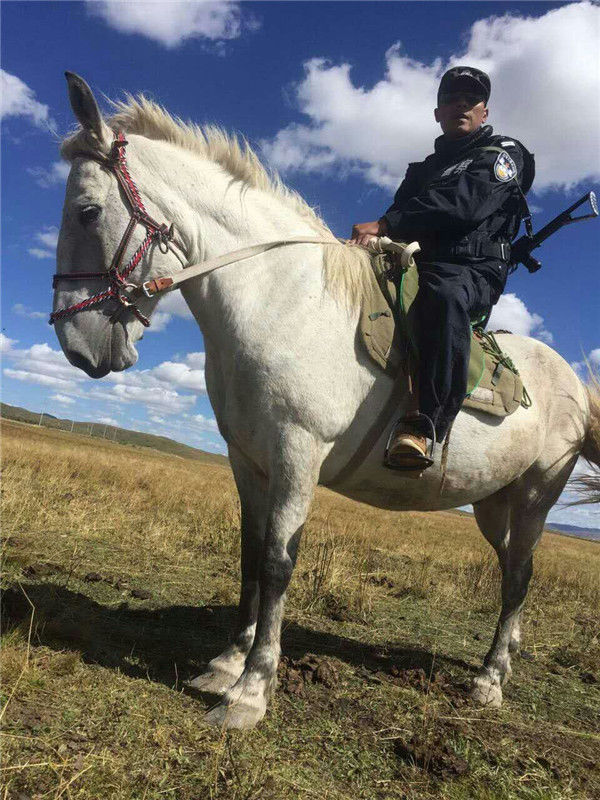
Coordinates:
column 224, row 670
column 293, row 477
column 514, row 536
column 513, row 521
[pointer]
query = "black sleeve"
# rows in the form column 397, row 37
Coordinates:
column 456, row 202
column 409, row 186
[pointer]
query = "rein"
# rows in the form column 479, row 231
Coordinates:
column 117, row 275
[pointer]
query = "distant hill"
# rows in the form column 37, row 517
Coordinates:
column 112, row 433
column 593, row 534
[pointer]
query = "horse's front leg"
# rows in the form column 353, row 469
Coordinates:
column 224, row 670
column 293, row 477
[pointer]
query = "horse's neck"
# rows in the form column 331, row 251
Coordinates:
column 215, row 214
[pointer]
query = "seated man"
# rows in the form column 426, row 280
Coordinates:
column 464, row 205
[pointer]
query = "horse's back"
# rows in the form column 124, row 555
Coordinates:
column 483, row 453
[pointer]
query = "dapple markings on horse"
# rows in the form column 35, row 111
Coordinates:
column 291, row 389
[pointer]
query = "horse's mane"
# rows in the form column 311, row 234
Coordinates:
column 345, row 269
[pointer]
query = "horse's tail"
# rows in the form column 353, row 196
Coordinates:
column 588, row 485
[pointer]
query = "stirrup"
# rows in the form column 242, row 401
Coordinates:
column 419, row 421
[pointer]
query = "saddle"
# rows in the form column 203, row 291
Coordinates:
column 387, row 329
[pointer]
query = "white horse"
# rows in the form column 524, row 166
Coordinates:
column 291, row 388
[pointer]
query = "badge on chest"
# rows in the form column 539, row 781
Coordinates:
column 456, row 169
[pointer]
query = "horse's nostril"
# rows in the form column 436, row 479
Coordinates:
column 76, row 359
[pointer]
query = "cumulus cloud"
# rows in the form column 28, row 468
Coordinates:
column 591, row 360
column 375, row 131
column 168, row 390
column 107, row 421
column 171, row 305
column 511, row 313
column 40, row 379
column 48, row 237
column 181, row 375
column 158, row 389
column 6, row 344
column 18, row 100
column 58, row 172
column 195, row 360
column 172, row 23
column 25, row 311
column 205, row 423
column 38, row 252
column 62, row 398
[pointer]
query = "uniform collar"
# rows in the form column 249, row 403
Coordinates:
column 446, row 149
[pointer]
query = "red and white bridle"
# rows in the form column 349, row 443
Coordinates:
column 116, row 274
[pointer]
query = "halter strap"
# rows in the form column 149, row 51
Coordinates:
column 116, row 274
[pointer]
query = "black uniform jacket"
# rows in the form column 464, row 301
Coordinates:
column 461, row 193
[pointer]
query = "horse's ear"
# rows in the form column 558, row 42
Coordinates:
column 85, row 107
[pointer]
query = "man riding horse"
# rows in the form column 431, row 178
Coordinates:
column 464, row 205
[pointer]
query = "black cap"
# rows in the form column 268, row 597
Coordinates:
column 459, row 78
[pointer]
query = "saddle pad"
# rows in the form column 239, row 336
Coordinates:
column 387, row 325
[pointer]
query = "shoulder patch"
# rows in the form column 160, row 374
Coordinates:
column 505, row 168
column 507, row 144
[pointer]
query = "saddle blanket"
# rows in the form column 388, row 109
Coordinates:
column 387, row 328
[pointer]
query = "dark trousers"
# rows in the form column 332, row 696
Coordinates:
column 449, row 296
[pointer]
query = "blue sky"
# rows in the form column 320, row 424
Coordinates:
column 337, row 96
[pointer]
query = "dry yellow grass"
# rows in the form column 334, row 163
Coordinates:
column 143, row 505
column 365, row 578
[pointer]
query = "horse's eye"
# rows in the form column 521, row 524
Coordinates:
column 89, row 214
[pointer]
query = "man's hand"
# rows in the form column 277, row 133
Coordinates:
column 363, row 232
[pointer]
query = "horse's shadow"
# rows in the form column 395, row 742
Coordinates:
column 173, row 643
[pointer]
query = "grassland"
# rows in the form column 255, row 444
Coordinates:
column 120, row 580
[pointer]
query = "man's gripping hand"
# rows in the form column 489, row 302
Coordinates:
column 363, row 232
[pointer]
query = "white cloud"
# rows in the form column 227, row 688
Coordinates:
column 37, row 252
column 160, row 321
column 543, row 70
column 177, row 374
column 41, row 361
column 195, row 360
column 173, row 303
column 18, row 100
column 592, row 358
column 25, row 311
column 6, row 344
column 48, row 237
column 62, row 398
column 57, row 173
column 205, row 423
column 165, row 401
column 172, row 23
column 511, row 313
column 161, row 390
column 107, row 421
column 42, row 380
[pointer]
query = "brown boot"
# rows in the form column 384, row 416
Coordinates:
column 407, row 450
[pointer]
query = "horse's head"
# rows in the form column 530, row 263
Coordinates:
column 102, row 246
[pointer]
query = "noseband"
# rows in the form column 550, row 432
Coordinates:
column 116, row 274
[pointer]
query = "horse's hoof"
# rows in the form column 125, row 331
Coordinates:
column 213, row 682
column 485, row 693
column 238, row 715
